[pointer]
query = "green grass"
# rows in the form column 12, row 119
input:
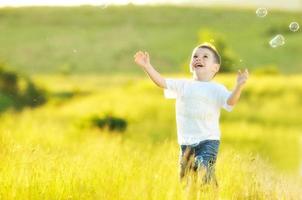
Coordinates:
column 51, row 152
column 91, row 39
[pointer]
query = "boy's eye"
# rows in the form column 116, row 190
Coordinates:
column 195, row 56
column 205, row 56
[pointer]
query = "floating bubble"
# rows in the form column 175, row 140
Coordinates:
column 212, row 40
column 294, row 26
column 277, row 41
column 261, row 12
column 75, row 51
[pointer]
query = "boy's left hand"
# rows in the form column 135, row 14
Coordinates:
column 242, row 77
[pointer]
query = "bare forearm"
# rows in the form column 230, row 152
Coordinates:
column 241, row 80
column 143, row 60
column 155, row 76
column 233, row 99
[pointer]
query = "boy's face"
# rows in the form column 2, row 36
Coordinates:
column 203, row 63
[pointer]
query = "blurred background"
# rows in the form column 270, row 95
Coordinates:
column 80, row 120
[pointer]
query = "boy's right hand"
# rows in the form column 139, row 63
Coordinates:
column 142, row 59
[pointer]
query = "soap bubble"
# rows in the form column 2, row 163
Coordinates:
column 278, row 40
column 74, row 51
column 294, row 26
column 261, row 12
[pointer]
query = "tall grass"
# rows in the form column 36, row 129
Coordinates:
column 52, row 152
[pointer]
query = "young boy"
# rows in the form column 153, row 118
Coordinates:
column 198, row 104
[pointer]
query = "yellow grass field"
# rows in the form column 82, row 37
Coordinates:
column 52, row 152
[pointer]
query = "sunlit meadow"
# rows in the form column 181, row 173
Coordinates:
column 52, row 152
column 83, row 58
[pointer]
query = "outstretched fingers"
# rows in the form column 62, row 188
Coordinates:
column 138, row 54
column 245, row 72
column 147, row 55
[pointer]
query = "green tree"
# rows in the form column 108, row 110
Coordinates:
column 17, row 91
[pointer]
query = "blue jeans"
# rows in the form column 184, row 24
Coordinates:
column 203, row 155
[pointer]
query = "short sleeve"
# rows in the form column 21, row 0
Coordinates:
column 175, row 88
column 224, row 94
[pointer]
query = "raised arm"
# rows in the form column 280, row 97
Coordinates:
column 143, row 60
column 241, row 80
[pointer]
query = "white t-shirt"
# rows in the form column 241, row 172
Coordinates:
column 198, row 107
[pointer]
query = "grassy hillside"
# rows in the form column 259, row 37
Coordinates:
column 53, row 153
column 95, row 40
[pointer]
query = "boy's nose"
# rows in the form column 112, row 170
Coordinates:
column 199, row 60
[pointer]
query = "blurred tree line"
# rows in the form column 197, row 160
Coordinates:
column 18, row 91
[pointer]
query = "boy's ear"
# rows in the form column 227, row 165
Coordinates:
column 217, row 67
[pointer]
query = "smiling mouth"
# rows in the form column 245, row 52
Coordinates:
column 199, row 66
